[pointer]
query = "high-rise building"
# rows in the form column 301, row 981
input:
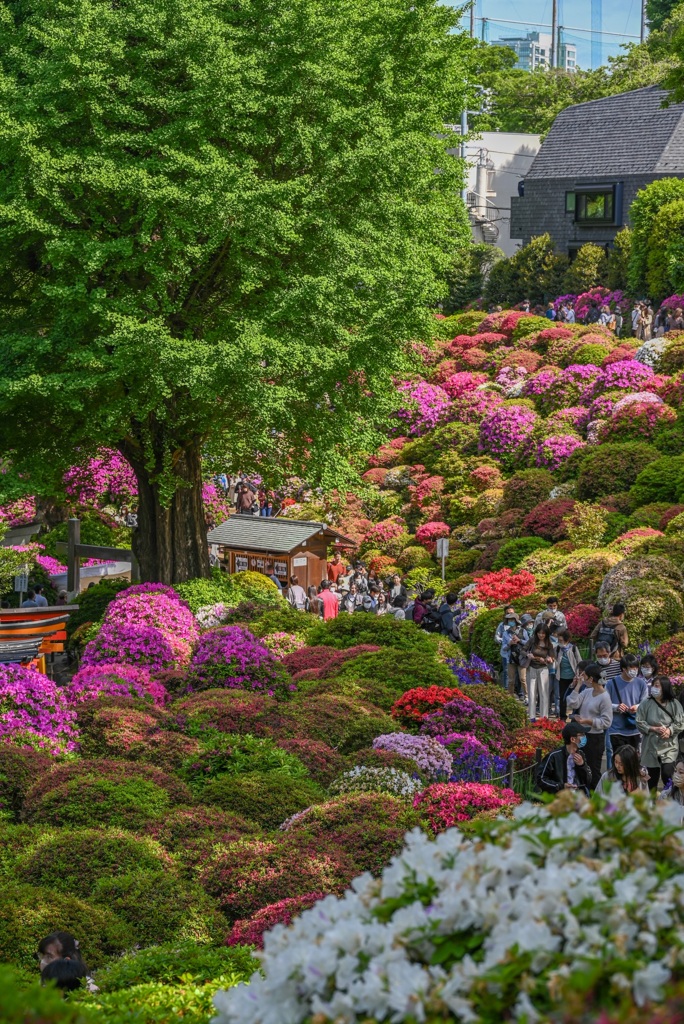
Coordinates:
column 534, row 51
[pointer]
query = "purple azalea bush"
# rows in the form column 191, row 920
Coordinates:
column 116, row 680
column 153, row 608
column 133, row 645
column 554, row 450
column 231, row 656
column 506, row 431
column 472, row 670
column 462, row 715
column 431, row 757
column 427, row 406
column 471, row 759
column 34, row 711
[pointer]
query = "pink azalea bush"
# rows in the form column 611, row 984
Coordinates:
column 132, row 645
column 19, row 512
column 34, row 711
column 429, row 533
column 427, row 405
column 445, row 804
column 506, row 431
column 106, row 479
column 161, row 609
column 250, row 931
column 231, row 656
column 281, row 644
column 459, row 384
column 581, row 620
column 554, row 450
column 115, row 680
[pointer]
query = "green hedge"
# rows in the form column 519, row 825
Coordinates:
column 171, row 962
column 266, row 798
column 384, row 631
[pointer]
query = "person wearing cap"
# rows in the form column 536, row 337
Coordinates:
column 515, row 636
column 509, row 618
column 592, row 707
column 566, row 768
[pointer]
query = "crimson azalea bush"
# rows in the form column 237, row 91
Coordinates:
column 250, row 932
column 121, row 727
column 497, row 588
column 670, row 656
column 581, row 620
column 428, row 534
column 445, row 804
column 231, row 656
column 115, row 680
column 34, row 711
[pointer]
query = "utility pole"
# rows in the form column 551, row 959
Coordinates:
column 472, row 19
column 554, row 35
column 644, row 22
column 464, row 151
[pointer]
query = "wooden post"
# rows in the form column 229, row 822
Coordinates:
column 511, row 770
column 73, row 558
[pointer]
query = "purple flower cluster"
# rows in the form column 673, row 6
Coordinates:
column 427, row 406
column 471, row 760
column 553, row 451
column 472, row 670
column 230, row 656
column 462, row 715
column 160, row 609
column 116, row 680
column 574, row 416
column 34, row 711
column 539, row 383
column 474, row 405
column 133, row 645
column 627, row 374
column 431, row 757
column 105, row 480
column 16, row 513
column 506, row 431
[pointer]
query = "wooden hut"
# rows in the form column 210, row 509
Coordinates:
column 279, row 547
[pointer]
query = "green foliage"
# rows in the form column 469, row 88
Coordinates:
column 171, row 963
column 587, row 525
column 535, row 272
column 35, row 1004
column 159, row 907
column 93, row 531
column 382, row 677
column 508, row 709
column 662, row 480
column 157, row 1003
column 526, row 326
column 527, row 488
column 587, row 270
column 590, row 354
column 468, row 272
column 267, row 798
column 341, row 722
column 147, row 271
column 73, row 860
column 92, row 603
column 282, row 619
column 643, row 214
column 218, row 588
column 232, row 754
column 658, row 12
column 89, row 802
column 20, row 767
column 665, row 257
column 613, row 468
column 482, row 640
column 618, row 261
column 385, row 631
column 512, row 552
column 29, row 913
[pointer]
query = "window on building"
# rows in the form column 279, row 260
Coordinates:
column 594, row 207
column 569, row 202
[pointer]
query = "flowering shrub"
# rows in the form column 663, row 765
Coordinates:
column 472, row 761
column 106, row 479
column 445, row 804
column 19, row 512
column 555, row 449
column 117, row 681
column 363, row 779
column 231, row 656
column 135, row 645
column 217, row 507
column 413, row 705
column 427, row 406
column 472, row 670
column 466, row 716
column 428, row 534
column 34, row 711
column 211, row 615
column 430, row 756
column 250, row 932
column 637, row 421
column 506, row 431
column 670, row 656
column 628, row 375
column 581, row 620
column 551, row 934
column 586, row 525
column 458, row 384
column 495, row 588
column 281, row 644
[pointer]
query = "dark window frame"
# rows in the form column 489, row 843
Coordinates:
column 582, row 194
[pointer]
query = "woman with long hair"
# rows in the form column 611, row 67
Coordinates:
column 660, row 719
column 626, row 773
column 540, row 655
column 592, row 707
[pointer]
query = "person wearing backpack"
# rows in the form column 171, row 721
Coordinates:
column 660, row 719
column 421, row 605
column 612, row 630
column 626, row 691
column 446, row 614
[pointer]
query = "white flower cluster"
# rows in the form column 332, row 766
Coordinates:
column 363, row 779
column 211, row 615
column 650, row 352
column 557, row 892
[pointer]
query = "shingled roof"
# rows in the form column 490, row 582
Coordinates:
column 277, row 536
column 631, row 133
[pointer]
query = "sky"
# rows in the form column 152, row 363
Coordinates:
column 619, row 16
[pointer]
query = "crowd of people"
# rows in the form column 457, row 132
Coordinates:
column 249, row 496
column 645, row 323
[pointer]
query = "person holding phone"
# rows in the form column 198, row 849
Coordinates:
column 566, row 768
column 592, row 707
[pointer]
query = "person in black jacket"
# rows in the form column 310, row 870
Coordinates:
column 566, row 768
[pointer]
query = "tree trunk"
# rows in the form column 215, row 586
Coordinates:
column 170, row 543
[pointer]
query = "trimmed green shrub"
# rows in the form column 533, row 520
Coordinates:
column 16, row 841
column 482, row 640
column 512, row 552
column 92, row 603
column 119, row 727
column 509, row 710
column 649, row 515
column 159, row 907
column 383, row 630
column 191, row 832
column 234, row 754
column 35, row 1004
column 590, row 355
column 228, row 589
column 172, row 962
column 527, row 488
column 341, row 722
column 29, row 913
column 73, row 860
column 528, row 325
column 283, row 619
column 156, row 1003
column 662, row 480
column 264, row 797
column 611, row 468
column 117, row 771
column 89, row 802
column 384, row 676
column 20, row 768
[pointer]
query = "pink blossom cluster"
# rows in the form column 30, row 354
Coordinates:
column 429, row 533
column 431, row 757
column 106, row 479
column 574, row 416
column 385, row 531
column 19, row 512
column 115, row 680
column 473, row 406
column 217, row 507
column 147, row 624
column 34, row 711
column 427, row 406
column 444, row 804
column 231, row 656
column 462, row 383
column 507, row 430
column 554, row 450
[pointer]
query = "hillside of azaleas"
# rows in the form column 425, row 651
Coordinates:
column 218, row 763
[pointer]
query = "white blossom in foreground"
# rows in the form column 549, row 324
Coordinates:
column 506, row 927
column 364, row 779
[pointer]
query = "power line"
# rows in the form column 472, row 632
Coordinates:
column 565, row 28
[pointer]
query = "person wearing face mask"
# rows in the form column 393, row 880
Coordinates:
column 539, row 654
column 675, row 792
column 509, row 618
column 660, row 719
column 648, row 668
column 626, row 692
column 592, row 707
column 515, row 637
column 610, row 666
column 567, row 662
column 626, row 774
column 566, row 768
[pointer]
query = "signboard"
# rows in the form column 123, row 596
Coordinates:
column 299, row 561
column 21, row 583
column 241, row 563
column 443, row 547
column 280, row 569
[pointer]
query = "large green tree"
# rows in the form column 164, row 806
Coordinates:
column 220, row 225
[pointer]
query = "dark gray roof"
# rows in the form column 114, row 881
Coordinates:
column 631, row 133
column 254, row 533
